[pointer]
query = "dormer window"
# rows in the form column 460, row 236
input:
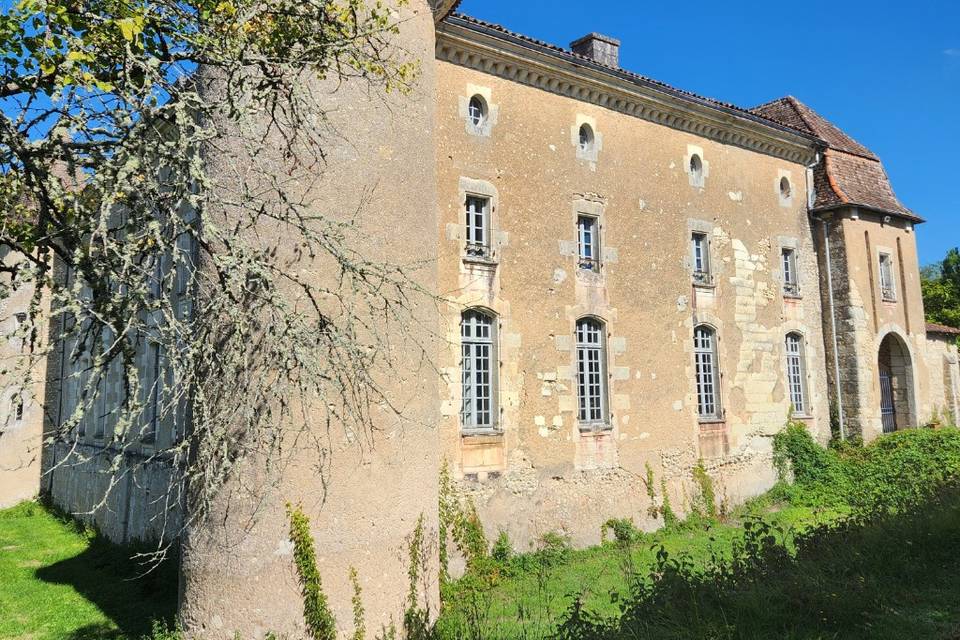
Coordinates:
column 477, row 111
column 586, row 138
column 696, row 170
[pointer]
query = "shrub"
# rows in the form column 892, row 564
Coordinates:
column 316, row 611
column 624, row 531
column 502, row 551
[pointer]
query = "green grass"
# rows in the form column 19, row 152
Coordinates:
column 59, row 581
column 530, row 601
column 823, row 576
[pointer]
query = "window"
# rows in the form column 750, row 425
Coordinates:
column 696, row 170
column 478, row 371
column 586, row 137
column 708, row 376
column 17, row 407
column 588, row 239
column 154, row 389
column 478, row 226
column 591, row 374
column 785, row 190
column 701, row 259
column 796, row 373
column 186, row 262
column 477, row 111
column 888, row 287
column 791, row 279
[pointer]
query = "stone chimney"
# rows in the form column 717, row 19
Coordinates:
column 599, row 48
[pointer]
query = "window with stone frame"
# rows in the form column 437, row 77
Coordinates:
column 888, row 286
column 700, row 250
column 588, row 243
column 477, row 214
column 154, row 385
column 478, row 368
column 707, row 373
column 797, row 373
column 791, row 277
column 593, row 413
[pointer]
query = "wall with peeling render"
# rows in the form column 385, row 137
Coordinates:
column 541, row 473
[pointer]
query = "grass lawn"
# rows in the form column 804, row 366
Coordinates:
column 58, row 582
column 898, row 578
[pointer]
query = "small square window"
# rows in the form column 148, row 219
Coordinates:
column 478, row 227
column 888, row 286
column 702, row 274
column 791, row 279
column 588, row 243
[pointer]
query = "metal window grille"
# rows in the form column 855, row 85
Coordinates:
column 591, row 381
column 887, row 287
column 791, row 280
column 478, row 224
column 708, row 378
column 477, row 111
column 478, row 350
column 796, row 373
column 701, row 259
column 588, row 234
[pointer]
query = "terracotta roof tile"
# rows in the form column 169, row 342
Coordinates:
column 790, row 111
column 942, row 329
column 849, row 173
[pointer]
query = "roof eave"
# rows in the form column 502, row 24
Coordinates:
column 716, row 116
column 915, row 219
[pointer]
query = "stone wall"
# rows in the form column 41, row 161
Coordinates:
column 540, row 472
column 364, row 492
column 20, row 430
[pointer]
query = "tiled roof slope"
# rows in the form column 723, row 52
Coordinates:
column 850, row 174
column 942, row 329
column 727, row 106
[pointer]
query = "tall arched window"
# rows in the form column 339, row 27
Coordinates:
column 796, row 373
column 478, row 335
column 591, row 373
column 696, row 170
column 708, row 373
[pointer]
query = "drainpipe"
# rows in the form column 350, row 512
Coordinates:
column 811, row 200
column 833, row 323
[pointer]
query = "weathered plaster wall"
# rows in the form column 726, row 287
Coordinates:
column 541, row 473
column 364, row 492
column 20, row 439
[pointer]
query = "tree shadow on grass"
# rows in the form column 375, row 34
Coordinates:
column 884, row 578
column 108, row 576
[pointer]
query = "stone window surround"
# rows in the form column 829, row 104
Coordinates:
column 494, row 433
column 796, row 329
column 704, row 318
column 485, row 130
column 705, row 227
column 891, row 256
column 788, row 201
column 692, row 178
column 608, row 424
column 483, row 189
column 594, row 207
column 591, row 153
column 789, row 242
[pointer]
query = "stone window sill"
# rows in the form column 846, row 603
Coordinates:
column 712, row 422
column 594, row 429
column 481, row 436
column 482, row 261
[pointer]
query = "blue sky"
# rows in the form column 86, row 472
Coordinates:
column 887, row 72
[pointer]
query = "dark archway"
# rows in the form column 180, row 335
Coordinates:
column 896, row 384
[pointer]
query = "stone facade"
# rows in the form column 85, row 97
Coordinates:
column 545, row 147
column 21, row 408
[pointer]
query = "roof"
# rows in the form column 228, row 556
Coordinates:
column 849, row 174
column 942, row 329
column 469, row 21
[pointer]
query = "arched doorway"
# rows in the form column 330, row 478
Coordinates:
column 896, row 384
